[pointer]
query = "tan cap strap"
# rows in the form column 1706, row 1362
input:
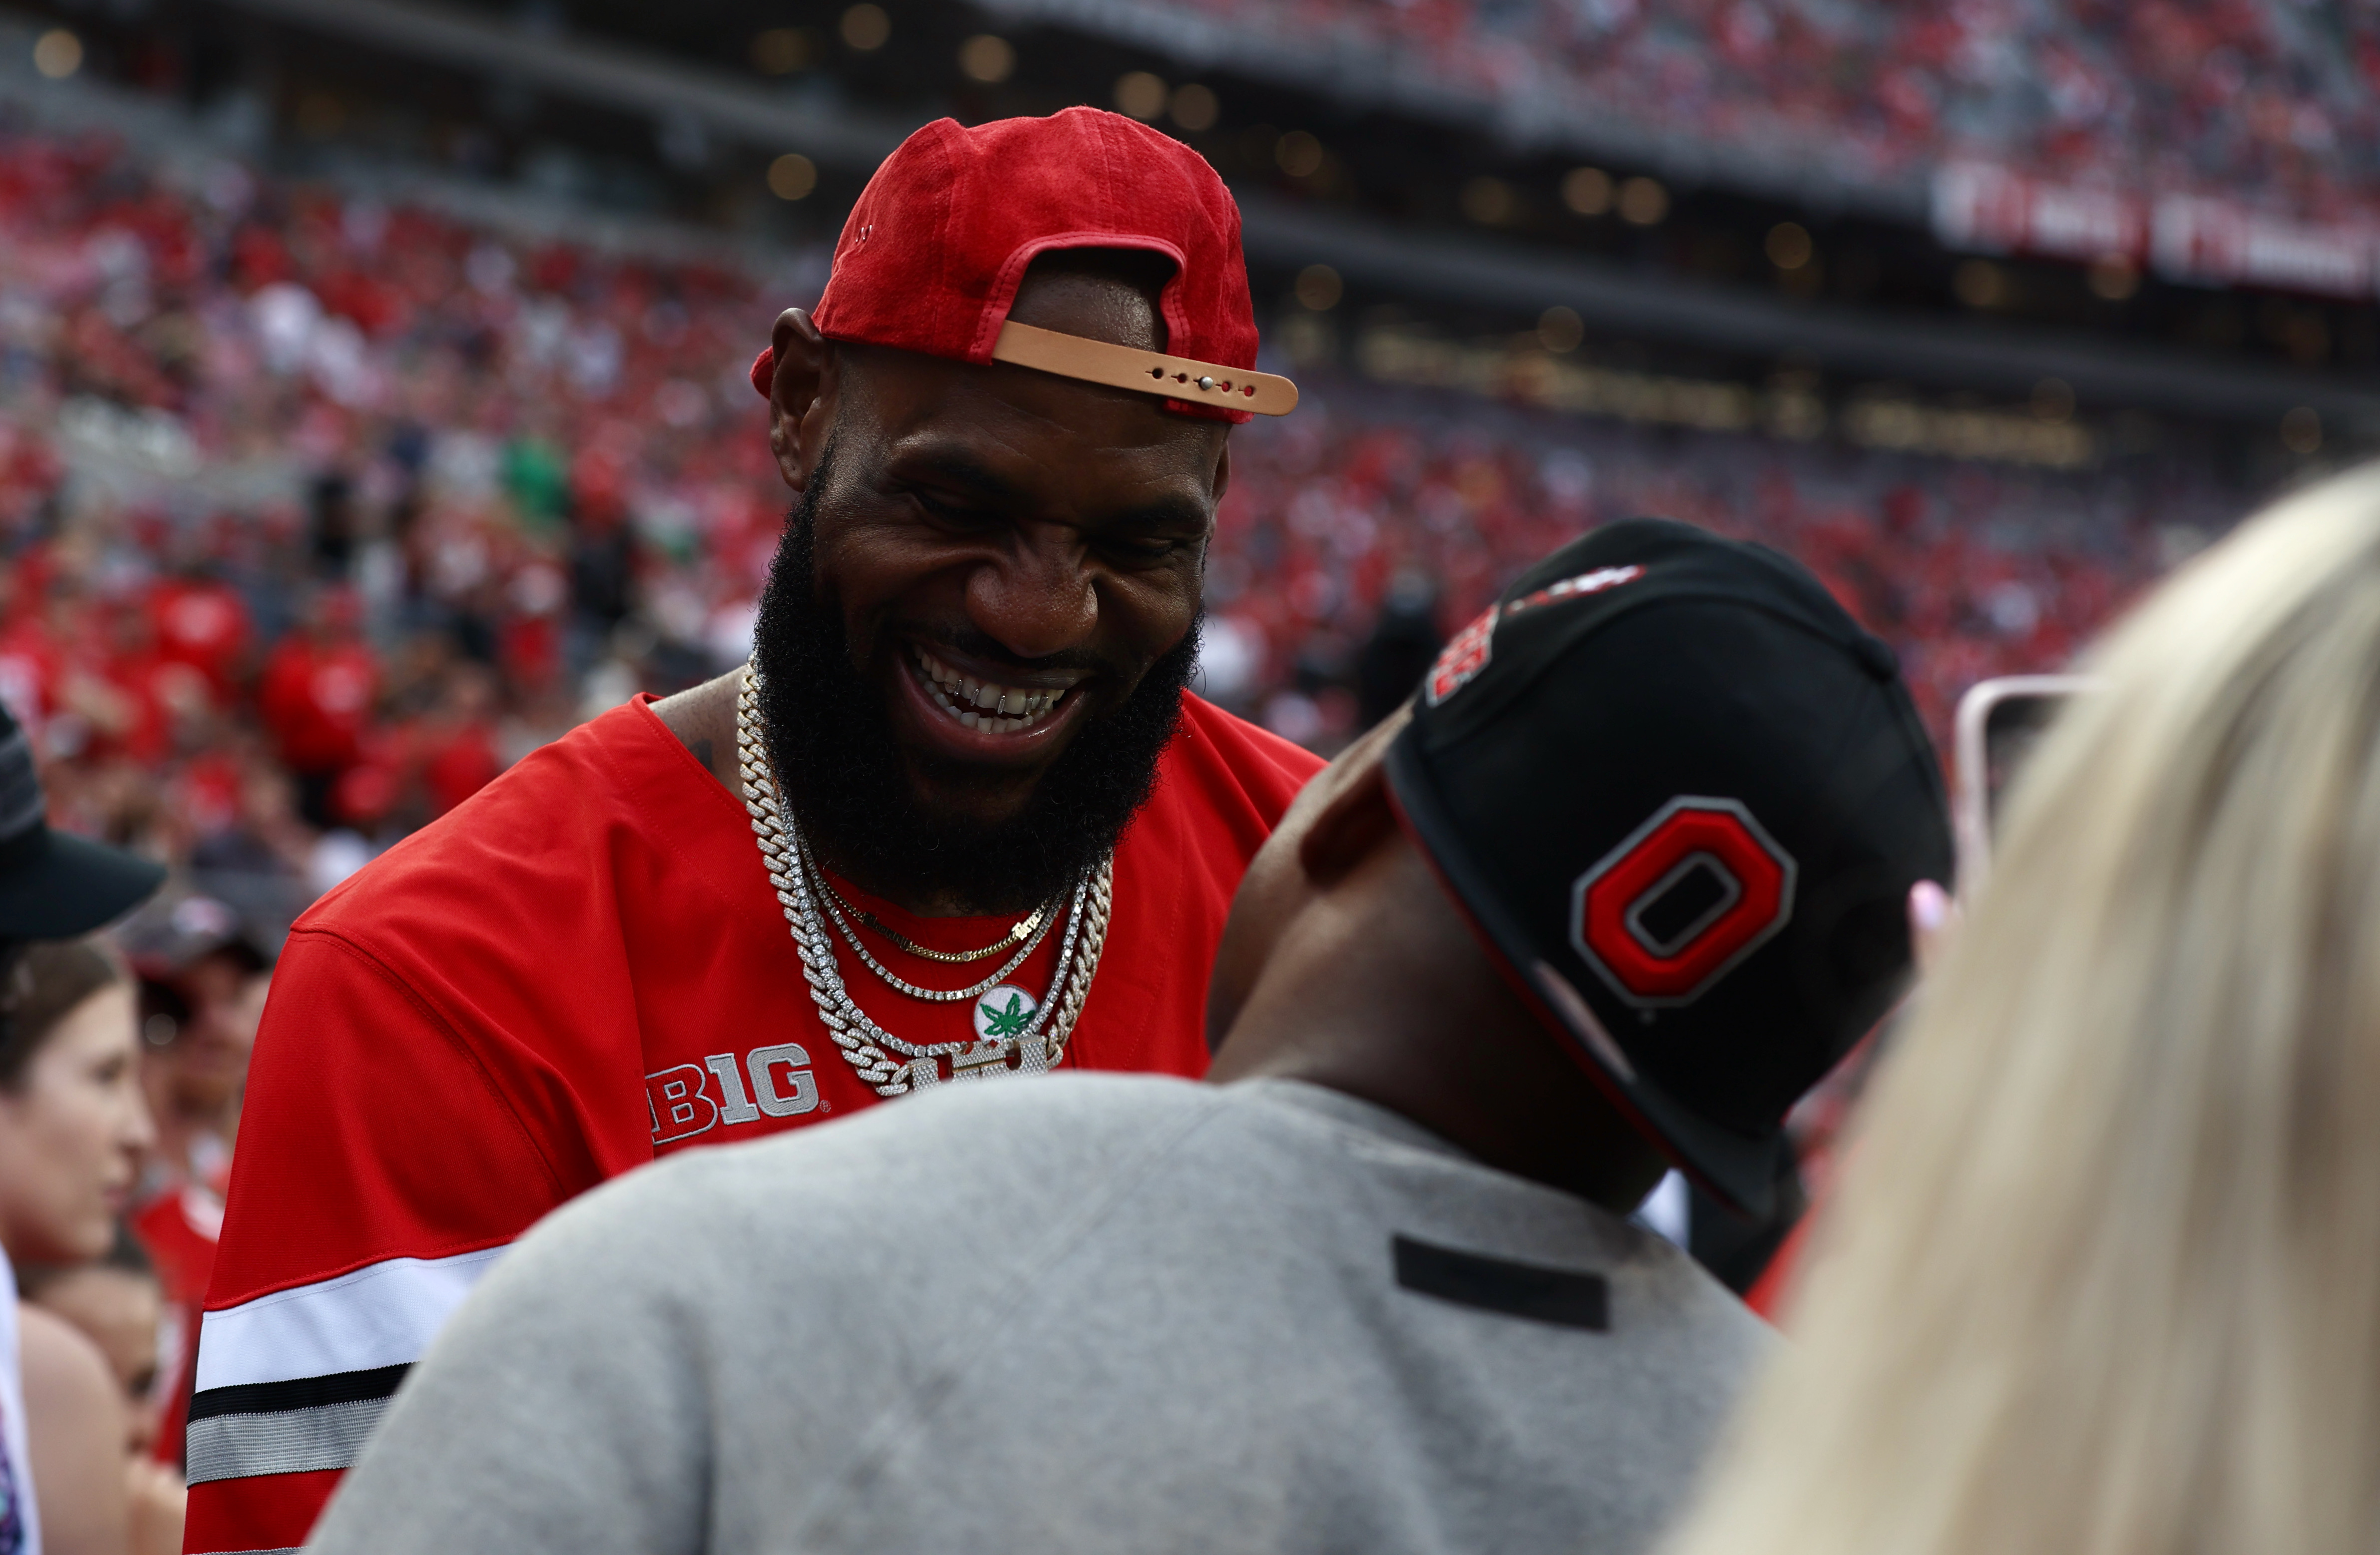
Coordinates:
column 1121, row 367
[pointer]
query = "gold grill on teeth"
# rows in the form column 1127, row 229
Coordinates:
column 963, row 695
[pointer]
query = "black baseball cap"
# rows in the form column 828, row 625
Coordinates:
column 1682, row 796
column 55, row 885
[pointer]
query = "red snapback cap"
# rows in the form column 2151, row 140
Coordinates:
column 933, row 254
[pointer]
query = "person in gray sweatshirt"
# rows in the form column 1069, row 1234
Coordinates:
column 1624, row 878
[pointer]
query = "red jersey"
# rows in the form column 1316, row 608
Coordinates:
column 581, row 967
column 203, row 625
column 317, row 699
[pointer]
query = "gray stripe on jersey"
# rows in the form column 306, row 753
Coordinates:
column 329, row 1435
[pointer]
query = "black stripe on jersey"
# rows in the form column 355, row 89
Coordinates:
column 299, row 1393
column 1567, row 1297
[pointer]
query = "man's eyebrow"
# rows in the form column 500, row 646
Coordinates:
column 954, row 466
column 1163, row 513
column 957, row 468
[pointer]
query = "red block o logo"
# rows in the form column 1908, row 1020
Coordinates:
column 1689, row 895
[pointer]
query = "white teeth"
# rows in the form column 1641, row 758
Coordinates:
column 975, row 704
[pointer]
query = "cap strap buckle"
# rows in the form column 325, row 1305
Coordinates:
column 1122, row 367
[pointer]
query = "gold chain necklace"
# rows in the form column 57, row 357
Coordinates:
column 1022, row 930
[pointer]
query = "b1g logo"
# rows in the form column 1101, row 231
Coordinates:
column 1689, row 895
column 692, row 1099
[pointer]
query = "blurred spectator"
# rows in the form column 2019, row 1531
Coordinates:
column 203, row 979
column 72, row 1129
column 117, row 1303
column 2102, row 1270
column 316, row 697
column 201, row 622
column 1404, row 641
column 459, row 741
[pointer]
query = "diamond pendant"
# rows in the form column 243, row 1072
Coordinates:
column 1002, row 1018
column 983, row 1061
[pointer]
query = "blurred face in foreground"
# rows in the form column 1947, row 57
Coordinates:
column 119, row 1310
column 981, row 619
column 72, row 1135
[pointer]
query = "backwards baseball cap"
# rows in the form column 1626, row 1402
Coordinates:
column 1681, row 796
column 171, row 934
column 931, row 256
column 55, row 885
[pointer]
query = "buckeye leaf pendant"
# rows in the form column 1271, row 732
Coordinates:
column 1001, row 1019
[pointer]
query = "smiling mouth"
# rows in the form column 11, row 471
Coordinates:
column 984, row 704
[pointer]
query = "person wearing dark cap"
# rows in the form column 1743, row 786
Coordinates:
column 1626, row 880
column 958, row 822
column 55, row 885
column 203, row 970
column 70, row 1136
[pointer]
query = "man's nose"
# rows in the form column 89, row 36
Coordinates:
column 1039, row 598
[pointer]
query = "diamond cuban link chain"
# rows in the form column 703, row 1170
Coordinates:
column 1036, row 1049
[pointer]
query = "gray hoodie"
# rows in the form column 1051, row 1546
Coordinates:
column 1080, row 1313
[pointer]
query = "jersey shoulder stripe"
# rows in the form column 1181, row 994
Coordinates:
column 380, row 1315
column 295, row 1382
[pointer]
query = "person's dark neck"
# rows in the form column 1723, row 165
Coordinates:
column 919, row 900
column 1439, row 1040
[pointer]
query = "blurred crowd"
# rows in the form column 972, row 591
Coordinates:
column 1351, row 541
column 317, row 513
column 2272, row 101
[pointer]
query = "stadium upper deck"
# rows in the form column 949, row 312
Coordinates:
column 2274, row 104
column 2166, row 207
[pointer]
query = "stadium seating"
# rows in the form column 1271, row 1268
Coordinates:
column 2263, row 99
column 317, row 513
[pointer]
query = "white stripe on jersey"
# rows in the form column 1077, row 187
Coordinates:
column 383, row 1313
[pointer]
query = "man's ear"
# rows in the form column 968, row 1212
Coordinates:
column 1356, row 820
column 797, row 413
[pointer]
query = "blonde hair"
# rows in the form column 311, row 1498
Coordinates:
column 2103, row 1274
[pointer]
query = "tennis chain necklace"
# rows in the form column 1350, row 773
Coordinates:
column 834, row 908
column 837, row 899
column 1035, row 1040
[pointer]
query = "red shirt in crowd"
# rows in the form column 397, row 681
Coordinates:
column 585, row 966
column 457, row 760
column 316, row 697
column 203, row 625
column 178, row 1229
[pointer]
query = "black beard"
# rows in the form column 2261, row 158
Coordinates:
column 831, row 739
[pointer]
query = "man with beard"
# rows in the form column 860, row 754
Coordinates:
column 958, row 822
column 1612, row 890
